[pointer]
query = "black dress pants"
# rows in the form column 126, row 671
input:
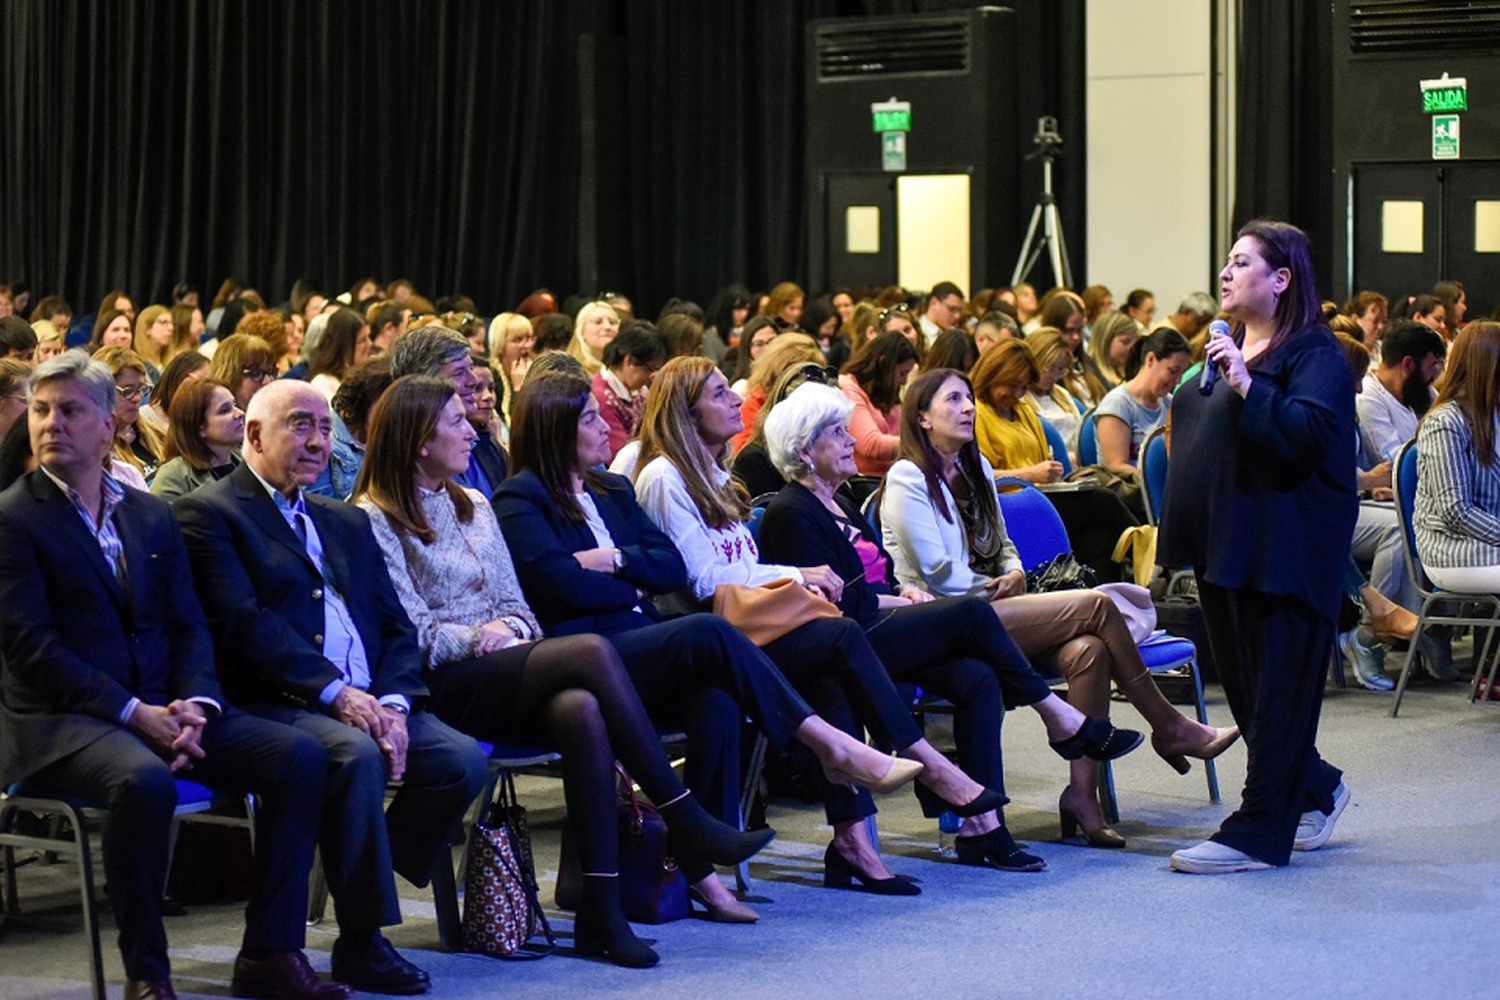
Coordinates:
column 286, row 768
column 958, row 649
column 1272, row 652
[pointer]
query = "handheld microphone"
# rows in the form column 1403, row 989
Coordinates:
column 1211, row 370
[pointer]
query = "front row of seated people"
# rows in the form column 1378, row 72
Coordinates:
column 338, row 647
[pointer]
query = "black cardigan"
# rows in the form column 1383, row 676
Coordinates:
column 1261, row 490
column 799, row 531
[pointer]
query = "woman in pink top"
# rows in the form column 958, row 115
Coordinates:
column 872, row 380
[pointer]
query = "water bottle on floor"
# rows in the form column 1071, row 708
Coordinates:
column 948, row 825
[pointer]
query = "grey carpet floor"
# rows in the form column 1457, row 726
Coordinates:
column 1400, row 904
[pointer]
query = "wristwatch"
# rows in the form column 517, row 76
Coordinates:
column 619, row 560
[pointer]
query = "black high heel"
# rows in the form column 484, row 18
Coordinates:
column 987, row 800
column 839, row 873
column 1098, row 739
column 998, row 850
column 694, row 835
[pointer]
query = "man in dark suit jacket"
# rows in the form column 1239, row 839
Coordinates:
column 445, row 354
column 107, row 689
column 309, row 632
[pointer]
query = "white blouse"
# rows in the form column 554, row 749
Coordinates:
column 928, row 550
column 713, row 555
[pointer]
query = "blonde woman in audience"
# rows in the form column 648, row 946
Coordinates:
column 187, row 329
column 138, row 445
column 1114, row 335
column 508, row 344
column 49, row 340
column 153, row 340
column 13, row 378
column 595, row 326
column 784, row 305
column 1048, row 395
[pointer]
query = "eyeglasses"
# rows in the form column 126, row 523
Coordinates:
column 258, row 374
column 134, row 392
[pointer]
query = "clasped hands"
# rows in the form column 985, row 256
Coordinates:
column 174, row 731
column 1006, row 585
column 384, row 725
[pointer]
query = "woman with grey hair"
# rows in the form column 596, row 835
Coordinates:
column 953, row 647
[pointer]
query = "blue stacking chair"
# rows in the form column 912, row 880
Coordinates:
column 1057, row 444
column 1405, row 483
column 1152, row 473
column 1037, row 530
column 1088, row 441
column 70, row 814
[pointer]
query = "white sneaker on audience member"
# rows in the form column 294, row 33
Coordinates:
column 1214, row 858
column 1317, row 826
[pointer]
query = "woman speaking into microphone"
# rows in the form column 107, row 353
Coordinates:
column 1261, row 502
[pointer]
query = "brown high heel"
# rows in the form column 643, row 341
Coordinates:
column 1177, row 754
column 1395, row 625
column 1100, row 836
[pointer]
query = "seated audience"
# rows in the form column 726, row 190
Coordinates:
column 685, row 490
column 630, row 359
column 992, row 328
column 1048, row 395
column 1394, row 397
column 112, row 329
column 1066, row 314
column 1370, row 310
column 358, row 392
column 873, row 380
column 784, row 305
column 344, row 344
column 50, row 339
column 682, row 333
column 110, row 700
column 310, row 633
column 1010, row 437
column 269, row 326
column 203, row 441
column 442, row 353
column 588, row 558
column 153, row 339
column 1114, row 335
column 955, row 648
column 138, row 445
column 491, row 672
column 752, row 466
column 1458, row 477
column 18, row 341
column 787, row 351
column 942, row 527
column 1136, row 407
column 756, row 338
column 554, row 332
column 246, row 364
column 953, row 348
column 181, row 370
column 594, row 327
column 13, row 379
column 509, row 346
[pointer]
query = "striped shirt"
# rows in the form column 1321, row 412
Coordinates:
column 1458, row 499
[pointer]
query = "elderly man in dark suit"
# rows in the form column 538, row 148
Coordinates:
column 310, row 632
column 107, row 689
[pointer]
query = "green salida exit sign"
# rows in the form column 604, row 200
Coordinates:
column 891, row 116
column 1445, row 95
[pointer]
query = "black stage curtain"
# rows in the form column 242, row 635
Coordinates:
column 486, row 147
column 1284, row 121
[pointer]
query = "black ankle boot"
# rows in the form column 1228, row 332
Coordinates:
column 694, row 835
column 600, row 927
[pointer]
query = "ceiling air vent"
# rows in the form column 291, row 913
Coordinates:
column 1420, row 27
column 868, row 51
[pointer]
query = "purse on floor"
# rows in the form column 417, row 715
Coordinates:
column 653, row 889
column 767, row 613
column 501, row 910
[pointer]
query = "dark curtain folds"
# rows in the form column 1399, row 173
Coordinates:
column 1284, row 121
column 156, row 141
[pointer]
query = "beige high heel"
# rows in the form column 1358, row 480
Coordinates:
column 1177, row 754
column 899, row 773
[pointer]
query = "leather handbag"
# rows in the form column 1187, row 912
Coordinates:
column 767, row 613
column 653, row 889
column 501, row 908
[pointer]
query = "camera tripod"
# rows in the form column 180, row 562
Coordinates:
column 1045, row 230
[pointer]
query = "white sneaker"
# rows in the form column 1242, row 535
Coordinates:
column 1214, row 858
column 1316, row 826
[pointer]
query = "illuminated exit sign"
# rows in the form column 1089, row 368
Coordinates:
column 1446, row 95
column 892, row 116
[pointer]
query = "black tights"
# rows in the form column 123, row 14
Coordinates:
column 573, row 694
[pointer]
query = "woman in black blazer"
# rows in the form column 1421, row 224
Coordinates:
column 954, row 647
column 1261, row 503
column 595, row 573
